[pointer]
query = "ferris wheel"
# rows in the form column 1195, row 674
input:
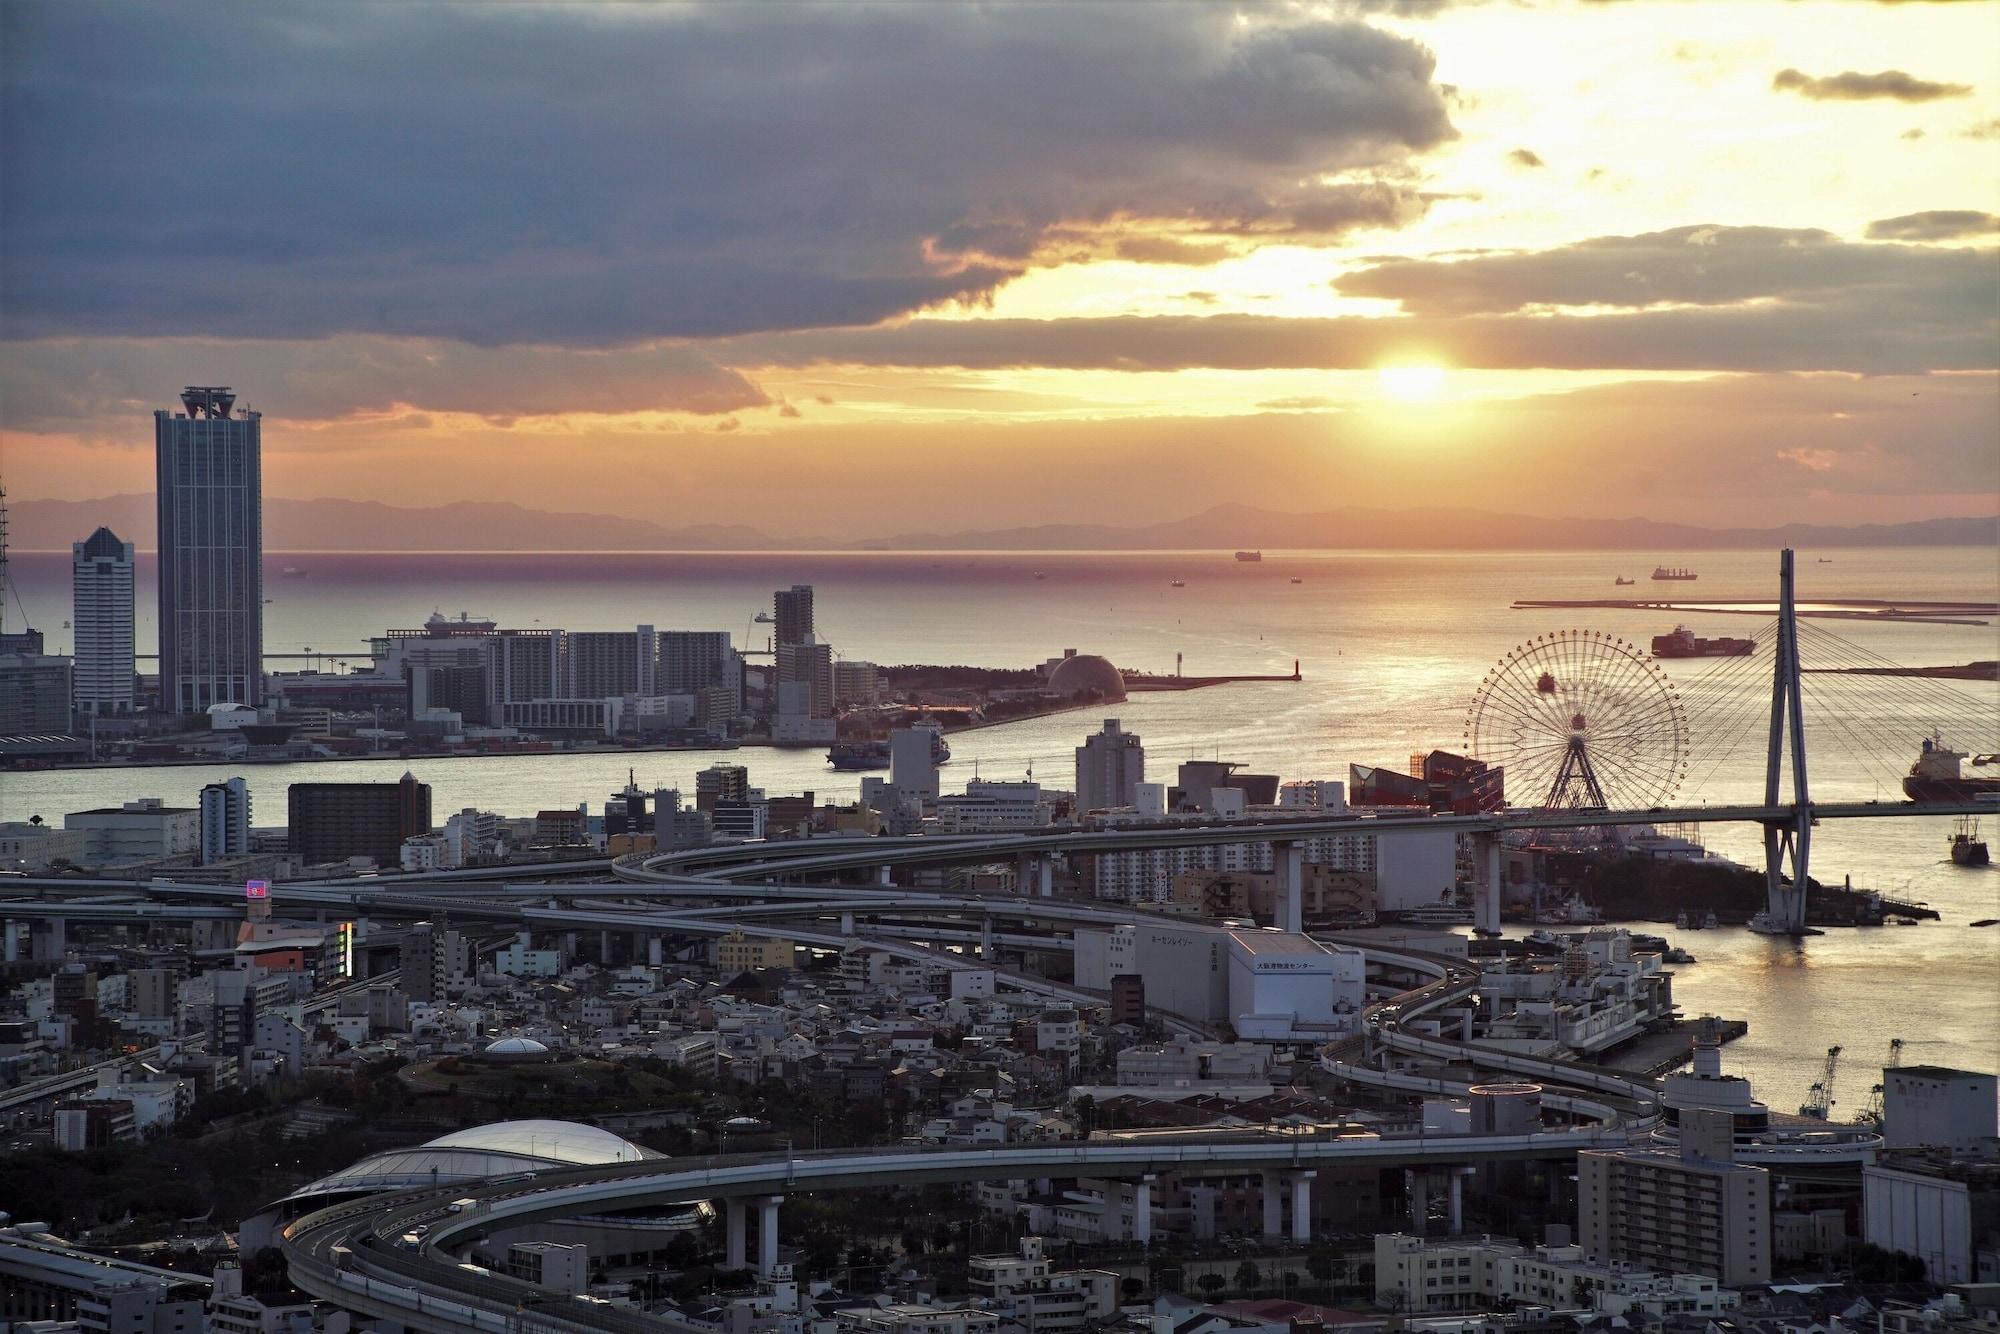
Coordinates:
column 1579, row 718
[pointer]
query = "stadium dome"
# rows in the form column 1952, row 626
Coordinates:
column 1087, row 674
column 473, row 1155
column 515, row 1048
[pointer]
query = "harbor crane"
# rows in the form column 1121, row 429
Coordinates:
column 1819, row 1102
column 1873, row 1116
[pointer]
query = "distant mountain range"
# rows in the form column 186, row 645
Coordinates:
column 366, row 525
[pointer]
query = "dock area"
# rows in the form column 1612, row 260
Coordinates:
column 1656, row 1054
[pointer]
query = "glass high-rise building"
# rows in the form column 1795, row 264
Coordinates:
column 211, row 499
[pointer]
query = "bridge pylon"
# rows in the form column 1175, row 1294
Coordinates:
column 1790, row 839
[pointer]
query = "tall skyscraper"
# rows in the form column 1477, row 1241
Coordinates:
column 101, row 610
column 1110, row 765
column 225, row 820
column 211, row 499
column 793, row 611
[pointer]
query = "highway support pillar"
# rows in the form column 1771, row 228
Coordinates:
column 56, row 942
column 847, row 924
column 767, row 1234
column 1418, row 1182
column 882, row 876
column 1457, row 1201
column 13, row 941
column 1486, row 896
column 986, row 938
column 1035, row 875
column 1274, row 1213
column 1142, row 1210
column 1288, row 860
column 656, row 951
column 604, row 948
column 735, row 1253
column 1302, row 1207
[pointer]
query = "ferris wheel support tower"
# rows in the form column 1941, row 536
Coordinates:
column 1790, row 838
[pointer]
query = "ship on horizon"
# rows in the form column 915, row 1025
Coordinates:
column 1250, row 555
column 1683, row 643
column 1674, row 574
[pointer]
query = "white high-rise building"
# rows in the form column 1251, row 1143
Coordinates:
column 210, row 486
column 225, row 820
column 1110, row 765
column 101, row 609
column 912, row 766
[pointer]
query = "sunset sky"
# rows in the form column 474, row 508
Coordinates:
column 855, row 269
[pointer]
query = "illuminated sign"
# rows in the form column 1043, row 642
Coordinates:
column 256, row 889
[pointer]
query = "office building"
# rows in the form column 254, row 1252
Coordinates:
column 793, row 613
column 856, row 682
column 35, row 694
column 153, row 993
column 697, row 660
column 331, row 822
column 435, row 959
column 143, row 830
column 805, row 679
column 600, row 664
column 913, row 763
column 1934, row 1107
column 1109, row 768
column 101, row 611
column 721, row 782
column 225, row 820
column 210, row 486
column 1692, row 1211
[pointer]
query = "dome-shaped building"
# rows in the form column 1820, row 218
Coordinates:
column 1086, row 676
column 515, row 1049
column 475, row 1154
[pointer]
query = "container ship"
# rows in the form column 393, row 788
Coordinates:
column 1250, row 555
column 1674, row 574
column 1936, row 775
column 1683, row 643
column 852, row 756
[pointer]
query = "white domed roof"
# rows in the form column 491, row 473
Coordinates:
column 515, row 1047
column 479, row 1152
column 1087, row 674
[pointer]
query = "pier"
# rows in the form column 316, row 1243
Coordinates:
column 1142, row 681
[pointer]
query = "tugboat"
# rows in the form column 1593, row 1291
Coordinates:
column 1621, row 582
column 1674, row 574
column 1936, row 776
column 1178, row 583
column 1682, row 643
column 1967, row 848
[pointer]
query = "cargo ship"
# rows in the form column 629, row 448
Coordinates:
column 853, row 756
column 1674, row 574
column 1682, row 643
column 1936, row 775
column 1250, row 555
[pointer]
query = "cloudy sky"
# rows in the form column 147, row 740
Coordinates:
column 853, row 269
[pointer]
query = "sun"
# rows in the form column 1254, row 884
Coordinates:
column 1412, row 383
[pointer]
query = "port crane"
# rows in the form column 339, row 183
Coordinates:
column 1819, row 1102
column 1873, row 1116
